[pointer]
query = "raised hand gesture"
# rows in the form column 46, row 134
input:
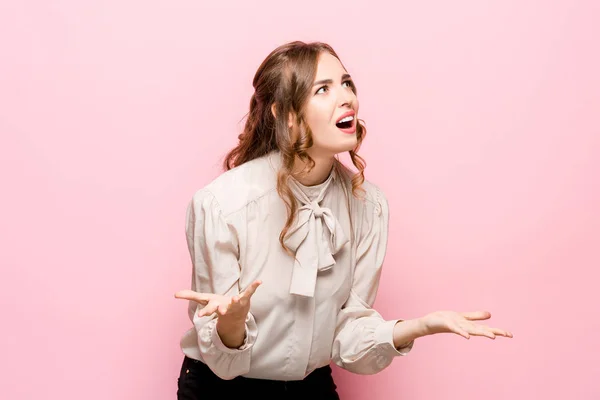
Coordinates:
column 230, row 308
column 462, row 324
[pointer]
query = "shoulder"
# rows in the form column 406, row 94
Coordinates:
column 374, row 194
column 371, row 199
column 233, row 190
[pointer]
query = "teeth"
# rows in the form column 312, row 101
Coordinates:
column 347, row 119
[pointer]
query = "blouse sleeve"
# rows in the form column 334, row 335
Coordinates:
column 214, row 252
column 363, row 341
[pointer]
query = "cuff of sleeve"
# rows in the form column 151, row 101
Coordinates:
column 249, row 337
column 384, row 335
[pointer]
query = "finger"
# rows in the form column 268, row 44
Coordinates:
column 488, row 334
column 476, row 315
column 222, row 309
column 479, row 330
column 501, row 332
column 235, row 303
column 209, row 309
column 459, row 331
column 194, row 296
column 251, row 289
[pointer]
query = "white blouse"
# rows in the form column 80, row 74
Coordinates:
column 309, row 310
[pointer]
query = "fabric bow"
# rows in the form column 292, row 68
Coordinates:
column 315, row 239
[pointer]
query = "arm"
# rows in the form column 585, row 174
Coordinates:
column 364, row 341
column 232, row 333
column 225, row 344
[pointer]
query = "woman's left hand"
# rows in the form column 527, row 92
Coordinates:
column 462, row 324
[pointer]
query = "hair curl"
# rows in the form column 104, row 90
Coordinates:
column 285, row 79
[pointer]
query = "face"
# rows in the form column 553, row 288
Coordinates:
column 332, row 109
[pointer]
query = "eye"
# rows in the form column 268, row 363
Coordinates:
column 324, row 88
column 349, row 84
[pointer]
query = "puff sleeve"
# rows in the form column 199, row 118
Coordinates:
column 214, row 253
column 363, row 341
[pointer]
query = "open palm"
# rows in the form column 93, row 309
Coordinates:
column 228, row 307
column 463, row 324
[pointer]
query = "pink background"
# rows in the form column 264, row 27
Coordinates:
column 483, row 130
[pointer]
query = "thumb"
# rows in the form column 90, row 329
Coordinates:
column 250, row 290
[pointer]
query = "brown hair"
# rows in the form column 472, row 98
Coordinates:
column 285, row 78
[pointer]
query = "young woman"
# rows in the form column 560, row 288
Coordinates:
column 288, row 244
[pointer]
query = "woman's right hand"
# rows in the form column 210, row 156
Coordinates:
column 229, row 309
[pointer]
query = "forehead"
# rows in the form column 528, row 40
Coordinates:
column 329, row 67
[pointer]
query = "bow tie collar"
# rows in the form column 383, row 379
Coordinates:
column 315, row 238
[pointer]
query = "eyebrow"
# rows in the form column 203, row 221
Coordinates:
column 330, row 81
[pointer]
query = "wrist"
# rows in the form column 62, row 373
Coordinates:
column 231, row 323
column 422, row 327
column 405, row 331
column 231, row 332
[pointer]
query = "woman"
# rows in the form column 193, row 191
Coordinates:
column 288, row 244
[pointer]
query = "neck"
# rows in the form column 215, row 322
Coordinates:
column 317, row 175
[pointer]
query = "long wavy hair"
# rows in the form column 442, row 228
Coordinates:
column 285, row 78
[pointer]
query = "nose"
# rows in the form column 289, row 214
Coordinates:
column 346, row 97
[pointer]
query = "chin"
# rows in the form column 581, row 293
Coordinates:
column 349, row 144
column 341, row 144
column 344, row 147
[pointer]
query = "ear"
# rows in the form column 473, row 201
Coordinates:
column 290, row 118
column 274, row 110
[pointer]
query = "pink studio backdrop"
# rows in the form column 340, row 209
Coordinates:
column 483, row 131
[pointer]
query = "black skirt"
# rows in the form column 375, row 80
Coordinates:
column 196, row 381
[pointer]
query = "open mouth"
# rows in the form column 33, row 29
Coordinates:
column 346, row 123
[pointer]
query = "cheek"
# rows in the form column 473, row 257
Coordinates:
column 319, row 117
